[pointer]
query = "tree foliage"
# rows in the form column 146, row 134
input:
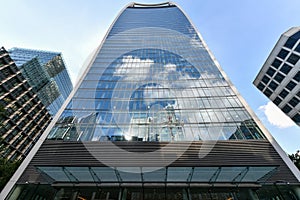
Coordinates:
column 7, row 169
column 296, row 158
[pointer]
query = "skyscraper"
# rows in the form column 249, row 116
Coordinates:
column 155, row 117
column 46, row 73
column 279, row 78
column 25, row 117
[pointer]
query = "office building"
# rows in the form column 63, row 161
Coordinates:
column 47, row 75
column 279, row 78
column 155, row 117
column 24, row 117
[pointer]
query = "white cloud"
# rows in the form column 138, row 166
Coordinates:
column 275, row 116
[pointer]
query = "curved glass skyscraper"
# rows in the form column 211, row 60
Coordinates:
column 155, row 117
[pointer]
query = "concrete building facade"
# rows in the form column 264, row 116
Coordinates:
column 279, row 77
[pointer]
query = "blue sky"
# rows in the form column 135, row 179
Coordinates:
column 240, row 34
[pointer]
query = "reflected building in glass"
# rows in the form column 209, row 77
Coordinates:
column 46, row 73
column 155, row 117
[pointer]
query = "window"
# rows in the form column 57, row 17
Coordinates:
column 294, row 101
column 293, row 59
column 283, row 53
column 268, row 92
column 273, row 85
column 298, row 48
column 285, row 69
column 279, row 77
column 291, row 85
column 292, row 40
column 277, row 101
column 271, row 72
column 296, row 118
column 276, row 63
column 286, row 109
column 265, row 79
column 283, row 93
column 260, row 86
column 297, row 76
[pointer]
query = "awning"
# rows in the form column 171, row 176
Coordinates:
column 211, row 175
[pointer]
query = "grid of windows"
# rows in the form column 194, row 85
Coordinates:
column 24, row 116
column 280, row 80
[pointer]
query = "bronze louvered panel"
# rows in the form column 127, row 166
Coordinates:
column 223, row 153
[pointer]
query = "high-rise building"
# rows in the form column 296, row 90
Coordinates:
column 155, row 117
column 24, row 118
column 46, row 74
column 279, row 78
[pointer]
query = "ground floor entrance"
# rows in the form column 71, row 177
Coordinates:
column 47, row 192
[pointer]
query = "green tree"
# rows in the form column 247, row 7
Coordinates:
column 7, row 169
column 296, row 158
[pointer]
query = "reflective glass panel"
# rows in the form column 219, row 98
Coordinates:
column 153, row 79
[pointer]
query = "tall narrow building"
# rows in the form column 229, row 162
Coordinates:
column 46, row 73
column 155, row 117
column 279, row 78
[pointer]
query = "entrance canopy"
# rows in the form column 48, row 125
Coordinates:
column 211, row 175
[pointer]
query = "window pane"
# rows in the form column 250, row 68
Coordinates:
column 268, row 92
column 284, row 93
column 286, row 109
column 297, row 76
column 296, row 118
column 277, row 101
column 279, row 77
column 265, row 79
column 298, row 48
column 291, row 85
column 273, row 85
column 261, row 86
column 290, row 42
column 276, row 63
column 285, row 69
column 271, row 72
column 294, row 101
column 283, row 53
column 293, row 59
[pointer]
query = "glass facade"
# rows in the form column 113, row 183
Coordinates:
column 154, row 80
column 46, row 73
